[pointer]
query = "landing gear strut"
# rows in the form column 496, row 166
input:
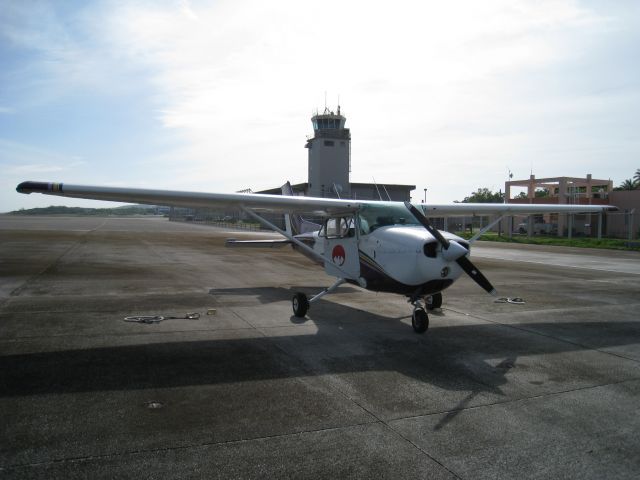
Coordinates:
column 301, row 304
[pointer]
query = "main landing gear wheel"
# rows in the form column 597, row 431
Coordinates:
column 434, row 301
column 300, row 304
column 420, row 320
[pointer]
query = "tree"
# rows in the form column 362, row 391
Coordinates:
column 628, row 184
column 484, row 195
column 636, row 177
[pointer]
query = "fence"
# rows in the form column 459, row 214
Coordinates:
column 622, row 225
column 251, row 227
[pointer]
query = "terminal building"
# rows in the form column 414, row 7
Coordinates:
column 576, row 191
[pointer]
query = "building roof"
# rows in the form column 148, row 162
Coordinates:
column 302, row 187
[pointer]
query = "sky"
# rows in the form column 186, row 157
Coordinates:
column 217, row 96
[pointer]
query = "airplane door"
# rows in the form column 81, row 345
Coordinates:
column 341, row 247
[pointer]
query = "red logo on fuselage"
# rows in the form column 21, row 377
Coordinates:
column 338, row 254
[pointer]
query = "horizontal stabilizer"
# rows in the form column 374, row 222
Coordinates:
column 232, row 242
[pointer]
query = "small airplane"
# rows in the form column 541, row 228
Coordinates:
column 379, row 245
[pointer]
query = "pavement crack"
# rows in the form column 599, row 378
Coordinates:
column 85, row 458
column 545, row 335
column 515, row 400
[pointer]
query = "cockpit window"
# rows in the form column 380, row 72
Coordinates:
column 376, row 216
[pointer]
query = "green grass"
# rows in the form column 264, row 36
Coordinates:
column 584, row 242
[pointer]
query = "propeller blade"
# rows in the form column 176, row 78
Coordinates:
column 426, row 224
column 476, row 275
column 462, row 260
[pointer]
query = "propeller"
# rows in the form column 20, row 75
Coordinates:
column 453, row 251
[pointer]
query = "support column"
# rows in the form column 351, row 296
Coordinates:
column 562, row 199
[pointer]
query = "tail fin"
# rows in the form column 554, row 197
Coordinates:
column 295, row 224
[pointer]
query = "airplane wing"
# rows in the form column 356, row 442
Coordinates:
column 253, row 201
column 285, row 204
column 478, row 209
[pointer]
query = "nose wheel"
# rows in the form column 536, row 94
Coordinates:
column 419, row 320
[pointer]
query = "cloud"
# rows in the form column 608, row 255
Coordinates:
column 429, row 88
column 61, row 51
column 19, row 159
column 235, row 77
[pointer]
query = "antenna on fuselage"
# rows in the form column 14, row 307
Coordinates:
column 377, row 189
column 337, row 190
column 385, row 191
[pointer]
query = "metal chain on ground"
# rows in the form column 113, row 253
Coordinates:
column 514, row 300
column 159, row 318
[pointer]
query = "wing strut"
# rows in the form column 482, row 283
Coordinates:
column 484, row 229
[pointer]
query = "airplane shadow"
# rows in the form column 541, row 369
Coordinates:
column 453, row 358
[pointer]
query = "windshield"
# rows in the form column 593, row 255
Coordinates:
column 376, row 216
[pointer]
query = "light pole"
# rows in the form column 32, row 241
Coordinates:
column 425, row 195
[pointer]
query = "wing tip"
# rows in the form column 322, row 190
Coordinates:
column 39, row 187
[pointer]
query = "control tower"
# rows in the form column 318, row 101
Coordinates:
column 329, row 156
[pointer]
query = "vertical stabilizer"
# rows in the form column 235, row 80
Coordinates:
column 295, row 224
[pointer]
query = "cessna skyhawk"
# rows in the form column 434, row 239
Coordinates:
column 378, row 245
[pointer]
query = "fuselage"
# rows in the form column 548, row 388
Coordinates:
column 404, row 259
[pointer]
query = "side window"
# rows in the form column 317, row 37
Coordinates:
column 331, row 228
column 338, row 227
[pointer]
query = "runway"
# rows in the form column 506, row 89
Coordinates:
column 547, row 389
column 583, row 258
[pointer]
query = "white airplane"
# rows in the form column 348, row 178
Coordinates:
column 378, row 245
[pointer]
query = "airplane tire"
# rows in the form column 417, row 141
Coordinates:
column 420, row 320
column 436, row 301
column 300, row 304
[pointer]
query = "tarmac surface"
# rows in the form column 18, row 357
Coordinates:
column 547, row 389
